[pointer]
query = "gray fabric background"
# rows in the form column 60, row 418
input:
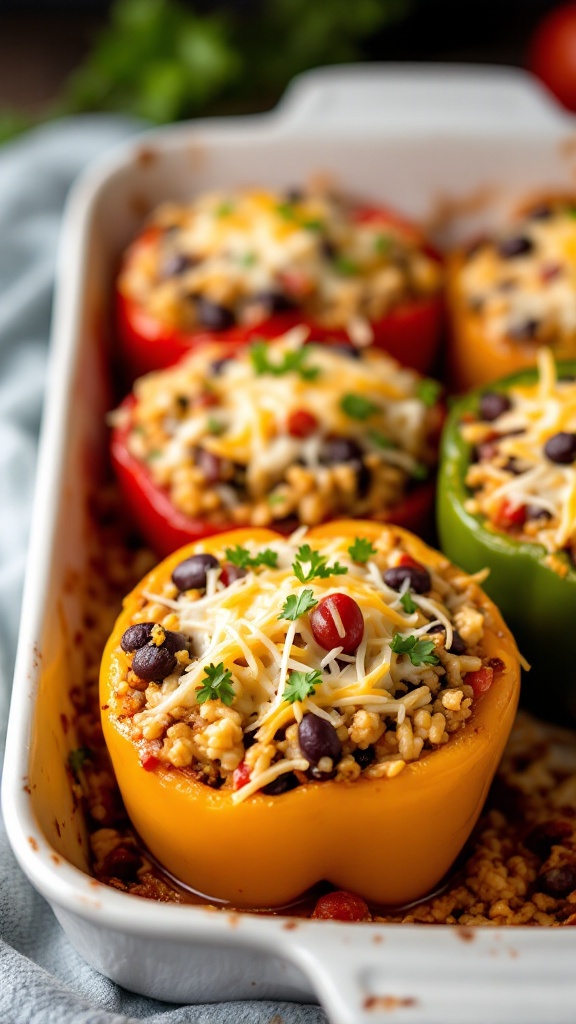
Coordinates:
column 42, row 979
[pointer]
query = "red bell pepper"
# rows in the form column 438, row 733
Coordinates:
column 166, row 529
column 410, row 331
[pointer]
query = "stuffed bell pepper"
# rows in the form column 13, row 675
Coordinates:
column 507, row 503
column 276, row 434
column 335, row 708
column 512, row 293
column 255, row 262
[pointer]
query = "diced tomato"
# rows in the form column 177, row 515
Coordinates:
column 296, row 283
column 341, row 906
column 149, row 762
column 511, row 515
column 301, row 423
column 406, row 559
column 480, row 681
column 241, row 775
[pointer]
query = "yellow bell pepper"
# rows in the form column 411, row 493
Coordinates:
column 389, row 840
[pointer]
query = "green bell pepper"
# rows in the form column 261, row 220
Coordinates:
column 538, row 603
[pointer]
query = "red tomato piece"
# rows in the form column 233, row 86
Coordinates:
column 511, row 515
column 301, row 423
column 341, row 906
column 480, row 681
column 241, row 775
column 552, row 53
column 149, row 762
column 406, row 559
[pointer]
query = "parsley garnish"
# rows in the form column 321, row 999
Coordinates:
column 276, row 499
column 313, row 225
column 428, row 391
column 345, row 266
column 419, row 471
column 297, row 605
column 301, row 685
column 381, row 440
column 224, row 209
column 248, row 260
column 361, row 550
column 241, row 557
column 419, row 651
column 382, row 244
column 317, row 565
column 216, row 685
column 292, row 362
column 214, row 426
column 286, row 210
column 76, row 759
column 408, row 603
column 357, row 407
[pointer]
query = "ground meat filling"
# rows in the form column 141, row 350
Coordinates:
column 523, row 471
column 347, row 660
column 522, row 285
column 238, row 258
column 284, row 430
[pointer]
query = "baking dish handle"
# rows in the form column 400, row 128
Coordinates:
column 450, row 975
column 412, row 98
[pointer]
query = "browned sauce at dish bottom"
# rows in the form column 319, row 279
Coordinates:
column 519, row 867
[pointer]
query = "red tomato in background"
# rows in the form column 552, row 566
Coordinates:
column 552, row 53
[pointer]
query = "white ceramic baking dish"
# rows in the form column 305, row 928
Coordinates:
column 450, row 146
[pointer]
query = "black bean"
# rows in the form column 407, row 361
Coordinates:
column 338, row 449
column 136, row 636
column 492, row 405
column 567, row 378
column 230, row 573
column 210, row 464
column 174, row 641
column 283, row 784
column 547, row 834
column 558, row 882
column 420, row 581
column 315, row 775
column 274, row 301
column 177, row 264
column 328, row 249
column 294, row 195
column 513, row 466
column 541, row 212
column 518, row 245
column 213, row 316
column 365, row 757
column 182, row 401
column 458, row 645
column 561, row 448
column 218, row 365
column 524, row 330
column 153, row 663
column 536, row 512
column 191, row 573
column 318, row 739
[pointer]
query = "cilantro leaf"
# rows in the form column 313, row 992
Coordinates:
column 301, row 685
column 419, row 651
column 291, row 362
column 408, row 604
column 244, row 560
column 357, row 407
column 428, row 391
column 381, row 440
column 382, row 244
column 361, row 550
column 214, row 426
column 76, row 759
column 316, row 565
column 297, row 604
column 345, row 266
column 224, row 209
column 216, row 685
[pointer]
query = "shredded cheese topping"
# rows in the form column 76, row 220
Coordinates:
column 255, row 252
column 274, row 670
column 517, row 486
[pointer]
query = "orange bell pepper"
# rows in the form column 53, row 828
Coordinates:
column 388, row 840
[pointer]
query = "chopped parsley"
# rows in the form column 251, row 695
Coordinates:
column 408, row 604
column 313, row 224
column 357, row 407
column 301, row 685
column 309, row 564
column 214, row 426
column 76, row 759
column 345, row 266
column 361, row 550
column 216, row 685
column 224, row 209
column 419, row 471
column 248, row 260
column 291, row 362
column 244, row 560
column 276, row 499
column 381, row 440
column 428, row 391
column 419, row 651
column 297, row 604
column 382, row 244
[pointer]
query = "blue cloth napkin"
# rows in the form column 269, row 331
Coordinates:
column 42, row 978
